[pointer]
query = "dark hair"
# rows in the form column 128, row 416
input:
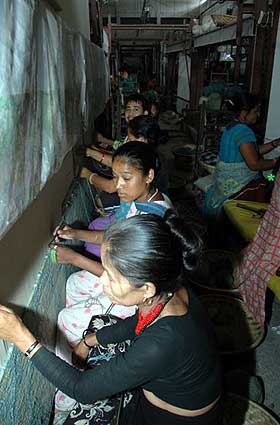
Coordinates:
column 148, row 248
column 140, row 155
column 138, row 98
column 242, row 102
column 145, row 126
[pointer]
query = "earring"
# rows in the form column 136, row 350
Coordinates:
column 147, row 301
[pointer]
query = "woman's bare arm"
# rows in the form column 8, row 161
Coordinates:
column 255, row 163
column 100, row 156
column 268, row 147
column 102, row 139
column 101, row 183
column 93, row 236
column 65, row 255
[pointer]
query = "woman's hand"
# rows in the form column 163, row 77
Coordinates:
column 91, row 153
column 81, row 350
column 85, row 173
column 276, row 142
column 80, row 354
column 100, row 139
column 65, row 233
column 10, row 324
column 12, row 329
column 64, row 255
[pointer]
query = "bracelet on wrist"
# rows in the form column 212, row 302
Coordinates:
column 90, row 177
column 85, row 333
column 273, row 145
column 31, row 348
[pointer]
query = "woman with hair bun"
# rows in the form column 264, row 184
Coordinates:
column 135, row 166
column 171, row 364
column 240, row 163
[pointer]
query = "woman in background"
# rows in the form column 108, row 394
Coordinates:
column 141, row 128
column 240, row 163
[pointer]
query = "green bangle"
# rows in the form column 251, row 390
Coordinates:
column 53, row 256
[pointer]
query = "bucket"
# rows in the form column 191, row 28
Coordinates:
column 184, row 157
column 236, row 329
column 216, row 273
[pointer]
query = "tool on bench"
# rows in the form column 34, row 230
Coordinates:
column 259, row 212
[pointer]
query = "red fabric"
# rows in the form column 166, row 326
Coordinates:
column 256, row 191
column 262, row 257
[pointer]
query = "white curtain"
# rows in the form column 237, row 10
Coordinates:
column 184, row 75
column 53, row 84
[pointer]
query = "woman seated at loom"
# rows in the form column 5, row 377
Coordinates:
column 142, row 128
column 238, row 170
column 134, row 168
column 171, row 364
column 98, row 163
column 135, row 105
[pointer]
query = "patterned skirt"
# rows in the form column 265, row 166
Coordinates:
column 102, row 412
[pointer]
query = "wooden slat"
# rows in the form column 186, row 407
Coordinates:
column 239, row 26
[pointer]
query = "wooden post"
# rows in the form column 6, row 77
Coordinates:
column 264, row 53
column 110, row 33
column 197, row 76
column 239, row 28
column 171, row 71
column 260, row 48
column 96, row 33
column 249, row 64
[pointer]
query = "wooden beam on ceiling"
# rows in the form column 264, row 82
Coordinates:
column 160, row 27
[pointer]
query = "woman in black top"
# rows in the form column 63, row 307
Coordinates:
column 172, row 358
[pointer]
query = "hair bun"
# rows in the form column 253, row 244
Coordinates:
column 188, row 240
